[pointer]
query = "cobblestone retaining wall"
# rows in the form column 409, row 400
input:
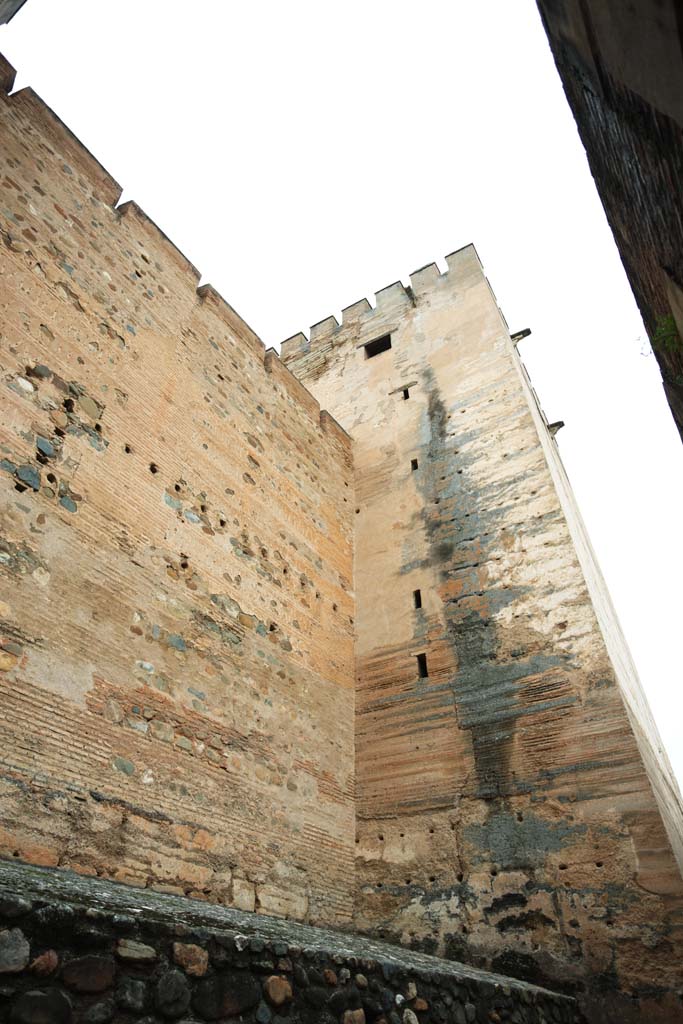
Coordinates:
column 78, row 950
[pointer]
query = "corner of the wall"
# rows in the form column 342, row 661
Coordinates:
column 465, row 258
column 330, row 426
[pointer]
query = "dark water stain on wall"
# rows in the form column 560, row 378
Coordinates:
column 488, row 686
column 519, row 845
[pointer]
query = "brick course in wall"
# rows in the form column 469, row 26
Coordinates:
column 175, row 561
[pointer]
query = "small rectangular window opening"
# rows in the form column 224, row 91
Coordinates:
column 406, row 394
column 373, row 348
column 417, row 598
column 413, row 464
column 422, row 666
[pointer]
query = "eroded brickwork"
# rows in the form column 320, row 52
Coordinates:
column 504, row 812
column 182, row 618
column 175, row 560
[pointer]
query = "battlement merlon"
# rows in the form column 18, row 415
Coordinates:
column 363, row 320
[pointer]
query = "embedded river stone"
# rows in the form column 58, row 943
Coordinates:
column 14, row 951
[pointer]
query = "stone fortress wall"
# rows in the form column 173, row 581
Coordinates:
column 175, row 560
column 87, row 949
column 204, row 579
column 505, row 815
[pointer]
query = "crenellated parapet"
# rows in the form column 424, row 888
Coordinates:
column 136, row 234
column 361, row 321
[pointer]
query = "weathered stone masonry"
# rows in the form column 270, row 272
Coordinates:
column 95, row 952
column 375, row 683
column 514, row 808
column 175, row 562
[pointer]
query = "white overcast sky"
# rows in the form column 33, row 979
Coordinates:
column 305, row 154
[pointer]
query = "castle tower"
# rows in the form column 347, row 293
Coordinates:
column 514, row 805
column 180, row 525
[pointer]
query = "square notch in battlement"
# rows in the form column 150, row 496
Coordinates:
column 377, row 346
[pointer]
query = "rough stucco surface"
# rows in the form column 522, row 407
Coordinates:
column 621, row 66
column 504, row 811
column 175, row 562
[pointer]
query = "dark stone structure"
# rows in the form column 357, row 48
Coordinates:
column 622, row 70
column 78, row 949
column 8, row 8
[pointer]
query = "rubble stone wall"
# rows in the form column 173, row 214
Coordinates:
column 93, row 952
column 175, row 562
column 505, row 812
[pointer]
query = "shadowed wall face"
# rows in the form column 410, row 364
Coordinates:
column 175, row 563
column 621, row 66
column 505, row 815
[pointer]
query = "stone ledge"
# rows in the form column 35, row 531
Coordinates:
column 75, row 948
